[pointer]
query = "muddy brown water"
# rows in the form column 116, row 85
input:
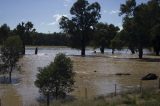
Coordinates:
column 95, row 74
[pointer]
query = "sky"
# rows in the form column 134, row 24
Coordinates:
column 45, row 14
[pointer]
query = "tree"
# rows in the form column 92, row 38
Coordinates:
column 118, row 42
column 140, row 24
column 154, row 14
column 136, row 26
column 25, row 31
column 103, row 35
column 57, row 78
column 156, row 38
column 4, row 33
column 10, row 53
column 85, row 17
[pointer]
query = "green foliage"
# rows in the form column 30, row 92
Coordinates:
column 137, row 23
column 156, row 38
column 53, row 39
column 85, row 17
column 10, row 52
column 118, row 41
column 57, row 78
column 25, row 31
column 103, row 35
column 4, row 33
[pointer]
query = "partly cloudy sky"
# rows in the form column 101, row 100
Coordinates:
column 45, row 14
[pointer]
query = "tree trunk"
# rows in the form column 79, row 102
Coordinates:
column 83, row 45
column 48, row 101
column 112, row 51
column 132, row 51
column 157, row 52
column 102, row 49
column 10, row 75
column 56, row 93
column 36, row 51
column 83, row 51
column 23, row 49
column 140, row 53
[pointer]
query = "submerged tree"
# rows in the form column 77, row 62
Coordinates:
column 103, row 35
column 10, row 53
column 141, row 25
column 25, row 31
column 57, row 78
column 85, row 17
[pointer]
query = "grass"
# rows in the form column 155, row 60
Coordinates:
column 147, row 98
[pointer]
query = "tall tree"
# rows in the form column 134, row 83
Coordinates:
column 156, row 39
column 136, row 25
column 103, row 35
column 154, row 17
column 119, row 41
column 4, row 32
column 10, row 53
column 85, row 17
column 25, row 31
column 57, row 78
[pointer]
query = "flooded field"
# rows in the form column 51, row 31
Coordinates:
column 94, row 73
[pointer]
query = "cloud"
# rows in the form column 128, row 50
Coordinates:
column 66, row 3
column 104, row 11
column 114, row 12
column 52, row 23
column 57, row 18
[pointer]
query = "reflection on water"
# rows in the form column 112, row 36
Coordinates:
column 95, row 72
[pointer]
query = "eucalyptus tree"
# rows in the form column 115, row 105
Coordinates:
column 136, row 25
column 10, row 53
column 84, row 18
column 141, row 23
column 154, row 17
column 103, row 35
column 25, row 31
column 4, row 32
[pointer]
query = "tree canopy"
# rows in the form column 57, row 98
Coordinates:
column 10, row 53
column 84, row 18
column 57, row 78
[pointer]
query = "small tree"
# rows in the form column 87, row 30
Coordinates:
column 57, row 78
column 10, row 53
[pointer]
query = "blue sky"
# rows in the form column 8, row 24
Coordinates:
column 45, row 14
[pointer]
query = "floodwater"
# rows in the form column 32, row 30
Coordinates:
column 95, row 74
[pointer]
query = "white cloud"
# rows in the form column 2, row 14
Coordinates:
column 57, row 18
column 66, row 3
column 104, row 11
column 52, row 23
column 114, row 12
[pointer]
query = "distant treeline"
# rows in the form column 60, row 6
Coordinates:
column 31, row 37
column 54, row 39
